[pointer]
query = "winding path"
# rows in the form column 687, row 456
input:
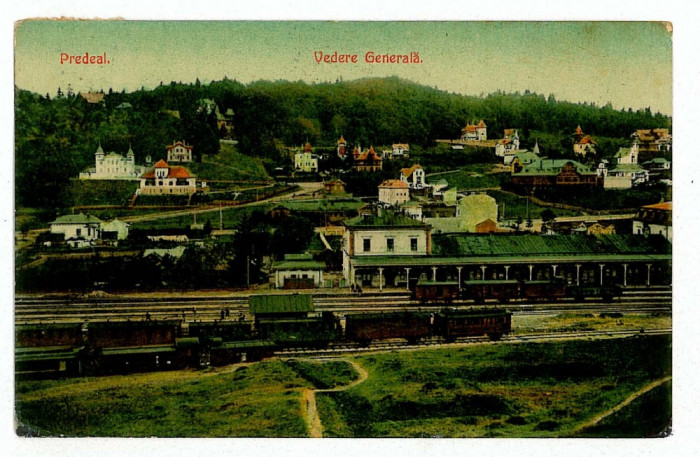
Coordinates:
column 621, row 405
column 309, row 401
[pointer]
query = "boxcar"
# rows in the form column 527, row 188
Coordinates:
column 363, row 328
column 299, row 332
column 453, row 324
column 543, row 290
column 227, row 331
column 501, row 290
column 436, row 291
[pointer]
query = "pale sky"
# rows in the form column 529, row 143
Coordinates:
column 626, row 63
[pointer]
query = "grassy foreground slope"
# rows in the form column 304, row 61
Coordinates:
column 498, row 390
column 480, row 390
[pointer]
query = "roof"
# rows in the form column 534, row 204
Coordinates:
column 665, row 206
column 387, row 219
column 481, row 124
column 536, row 245
column 92, row 97
column 586, row 140
column 394, row 184
column 622, row 152
column 298, row 264
column 179, row 143
column 629, row 167
column 409, row 171
column 659, row 160
column 270, row 304
column 77, row 219
column 341, row 140
column 400, row 145
column 173, row 172
column 552, row 166
column 369, row 155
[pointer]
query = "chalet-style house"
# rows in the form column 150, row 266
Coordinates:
column 555, row 172
column 414, row 176
column 113, row 166
column 335, row 186
column 166, row 180
column 474, row 132
column 179, row 151
column 393, row 192
column 367, row 161
column 508, row 144
column 652, row 142
column 654, row 220
column 583, row 144
column 341, row 148
column 306, row 161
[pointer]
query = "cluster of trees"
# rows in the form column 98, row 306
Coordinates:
column 56, row 136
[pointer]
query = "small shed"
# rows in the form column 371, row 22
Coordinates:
column 280, row 306
column 298, row 271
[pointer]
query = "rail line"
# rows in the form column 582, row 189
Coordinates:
column 342, row 350
column 36, row 310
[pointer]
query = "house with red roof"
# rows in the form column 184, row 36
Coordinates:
column 179, row 151
column 368, row 161
column 414, row 177
column 654, row 220
column 583, row 144
column 164, row 179
column 474, row 131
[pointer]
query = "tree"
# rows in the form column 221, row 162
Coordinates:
column 547, row 215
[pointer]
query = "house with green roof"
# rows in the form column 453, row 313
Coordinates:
column 298, row 271
column 554, row 173
column 77, row 227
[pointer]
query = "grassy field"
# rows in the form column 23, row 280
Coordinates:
column 230, row 216
column 258, row 400
column 480, row 390
column 516, row 390
column 516, row 206
column 99, row 192
column 230, row 165
column 472, row 176
column 573, row 322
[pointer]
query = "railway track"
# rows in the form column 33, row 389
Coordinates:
column 35, row 310
column 342, row 350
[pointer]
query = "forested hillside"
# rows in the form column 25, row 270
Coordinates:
column 57, row 134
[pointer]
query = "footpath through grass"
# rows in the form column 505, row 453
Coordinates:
column 497, row 390
column 481, row 390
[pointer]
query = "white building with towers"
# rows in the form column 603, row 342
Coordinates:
column 113, row 166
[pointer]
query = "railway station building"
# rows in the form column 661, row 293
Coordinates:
column 372, row 261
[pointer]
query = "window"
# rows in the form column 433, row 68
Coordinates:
column 390, row 244
column 366, row 245
column 78, row 232
column 414, row 244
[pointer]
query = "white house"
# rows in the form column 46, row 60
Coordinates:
column 298, row 271
column 179, row 151
column 115, row 230
column 509, row 143
column 113, row 166
column 399, row 150
column 166, row 180
column 393, row 192
column 622, row 176
column 628, row 155
column 77, row 227
column 306, row 161
column 414, row 176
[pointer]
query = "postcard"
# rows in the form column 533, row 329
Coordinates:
column 316, row 229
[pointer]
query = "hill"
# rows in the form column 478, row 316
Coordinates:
column 56, row 136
